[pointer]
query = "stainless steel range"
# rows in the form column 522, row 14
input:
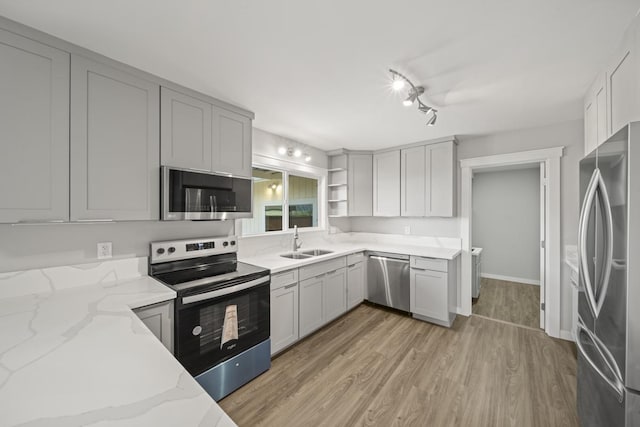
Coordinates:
column 221, row 312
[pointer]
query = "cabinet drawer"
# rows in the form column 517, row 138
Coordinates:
column 322, row 267
column 435, row 264
column 285, row 278
column 355, row 258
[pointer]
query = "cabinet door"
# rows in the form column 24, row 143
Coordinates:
column 590, row 123
column 429, row 294
column 185, row 135
column 231, row 149
column 311, row 305
column 335, row 294
column 34, row 121
column 159, row 319
column 622, row 91
column 284, row 317
column 601, row 113
column 413, row 180
column 355, row 284
column 386, row 183
column 440, row 183
column 115, row 156
column 360, row 184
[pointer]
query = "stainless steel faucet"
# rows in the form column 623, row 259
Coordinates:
column 296, row 239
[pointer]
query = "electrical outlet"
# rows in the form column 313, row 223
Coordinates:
column 407, row 229
column 104, row 250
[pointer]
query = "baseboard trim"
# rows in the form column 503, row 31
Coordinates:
column 510, row 279
column 567, row 335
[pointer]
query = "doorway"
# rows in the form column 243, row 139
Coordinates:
column 507, row 215
column 550, row 229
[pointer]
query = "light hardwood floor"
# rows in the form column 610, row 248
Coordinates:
column 378, row 367
column 509, row 301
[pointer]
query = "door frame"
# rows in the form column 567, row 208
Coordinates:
column 551, row 159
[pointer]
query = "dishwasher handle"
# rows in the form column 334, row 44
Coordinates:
column 384, row 258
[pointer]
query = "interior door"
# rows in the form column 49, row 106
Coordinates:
column 543, row 250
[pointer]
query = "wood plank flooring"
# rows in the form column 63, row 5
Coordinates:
column 509, row 301
column 377, row 367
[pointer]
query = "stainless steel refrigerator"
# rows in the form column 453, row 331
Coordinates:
column 608, row 332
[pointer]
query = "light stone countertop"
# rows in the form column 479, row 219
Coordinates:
column 276, row 263
column 79, row 356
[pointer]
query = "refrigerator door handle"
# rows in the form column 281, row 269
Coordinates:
column 615, row 383
column 596, row 183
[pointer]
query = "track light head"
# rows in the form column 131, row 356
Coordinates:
column 413, row 95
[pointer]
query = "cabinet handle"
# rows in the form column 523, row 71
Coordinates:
column 331, row 272
column 352, row 265
column 291, row 286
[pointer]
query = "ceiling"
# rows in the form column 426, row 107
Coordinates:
column 316, row 71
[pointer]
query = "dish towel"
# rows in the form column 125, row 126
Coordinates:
column 230, row 325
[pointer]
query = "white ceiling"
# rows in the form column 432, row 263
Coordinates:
column 316, row 71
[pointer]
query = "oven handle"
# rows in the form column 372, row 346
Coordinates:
column 225, row 291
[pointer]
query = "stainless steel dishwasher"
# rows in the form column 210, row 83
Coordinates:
column 388, row 280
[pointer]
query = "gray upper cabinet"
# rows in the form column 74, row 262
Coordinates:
column 413, row 181
column 427, row 180
column 34, row 118
column 115, row 152
column 386, row 183
column 185, row 131
column 440, row 184
column 360, row 184
column 231, row 148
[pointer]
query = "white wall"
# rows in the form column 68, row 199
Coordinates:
column 506, row 222
column 267, row 144
column 32, row 246
column 567, row 134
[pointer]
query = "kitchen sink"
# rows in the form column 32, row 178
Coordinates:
column 296, row 255
column 316, row 252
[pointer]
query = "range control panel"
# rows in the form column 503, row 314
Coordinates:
column 192, row 248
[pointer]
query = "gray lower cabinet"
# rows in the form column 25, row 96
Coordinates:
column 115, row 155
column 231, row 143
column 159, row 319
column 311, row 305
column 334, row 294
column 433, row 290
column 355, row 284
column 284, row 310
column 185, row 131
column 34, row 123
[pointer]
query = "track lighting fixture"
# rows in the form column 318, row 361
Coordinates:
column 294, row 152
column 413, row 95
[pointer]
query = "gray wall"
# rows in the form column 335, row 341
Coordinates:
column 506, row 222
column 567, row 134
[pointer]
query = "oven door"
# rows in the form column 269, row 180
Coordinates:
column 215, row 326
column 194, row 195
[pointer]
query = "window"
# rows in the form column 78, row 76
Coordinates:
column 282, row 200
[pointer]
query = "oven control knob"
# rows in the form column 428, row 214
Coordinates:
column 160, row 251
column 233, row 243
column 225, row 244
column 172, row 250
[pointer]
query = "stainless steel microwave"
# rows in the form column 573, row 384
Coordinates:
column 196, row 195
